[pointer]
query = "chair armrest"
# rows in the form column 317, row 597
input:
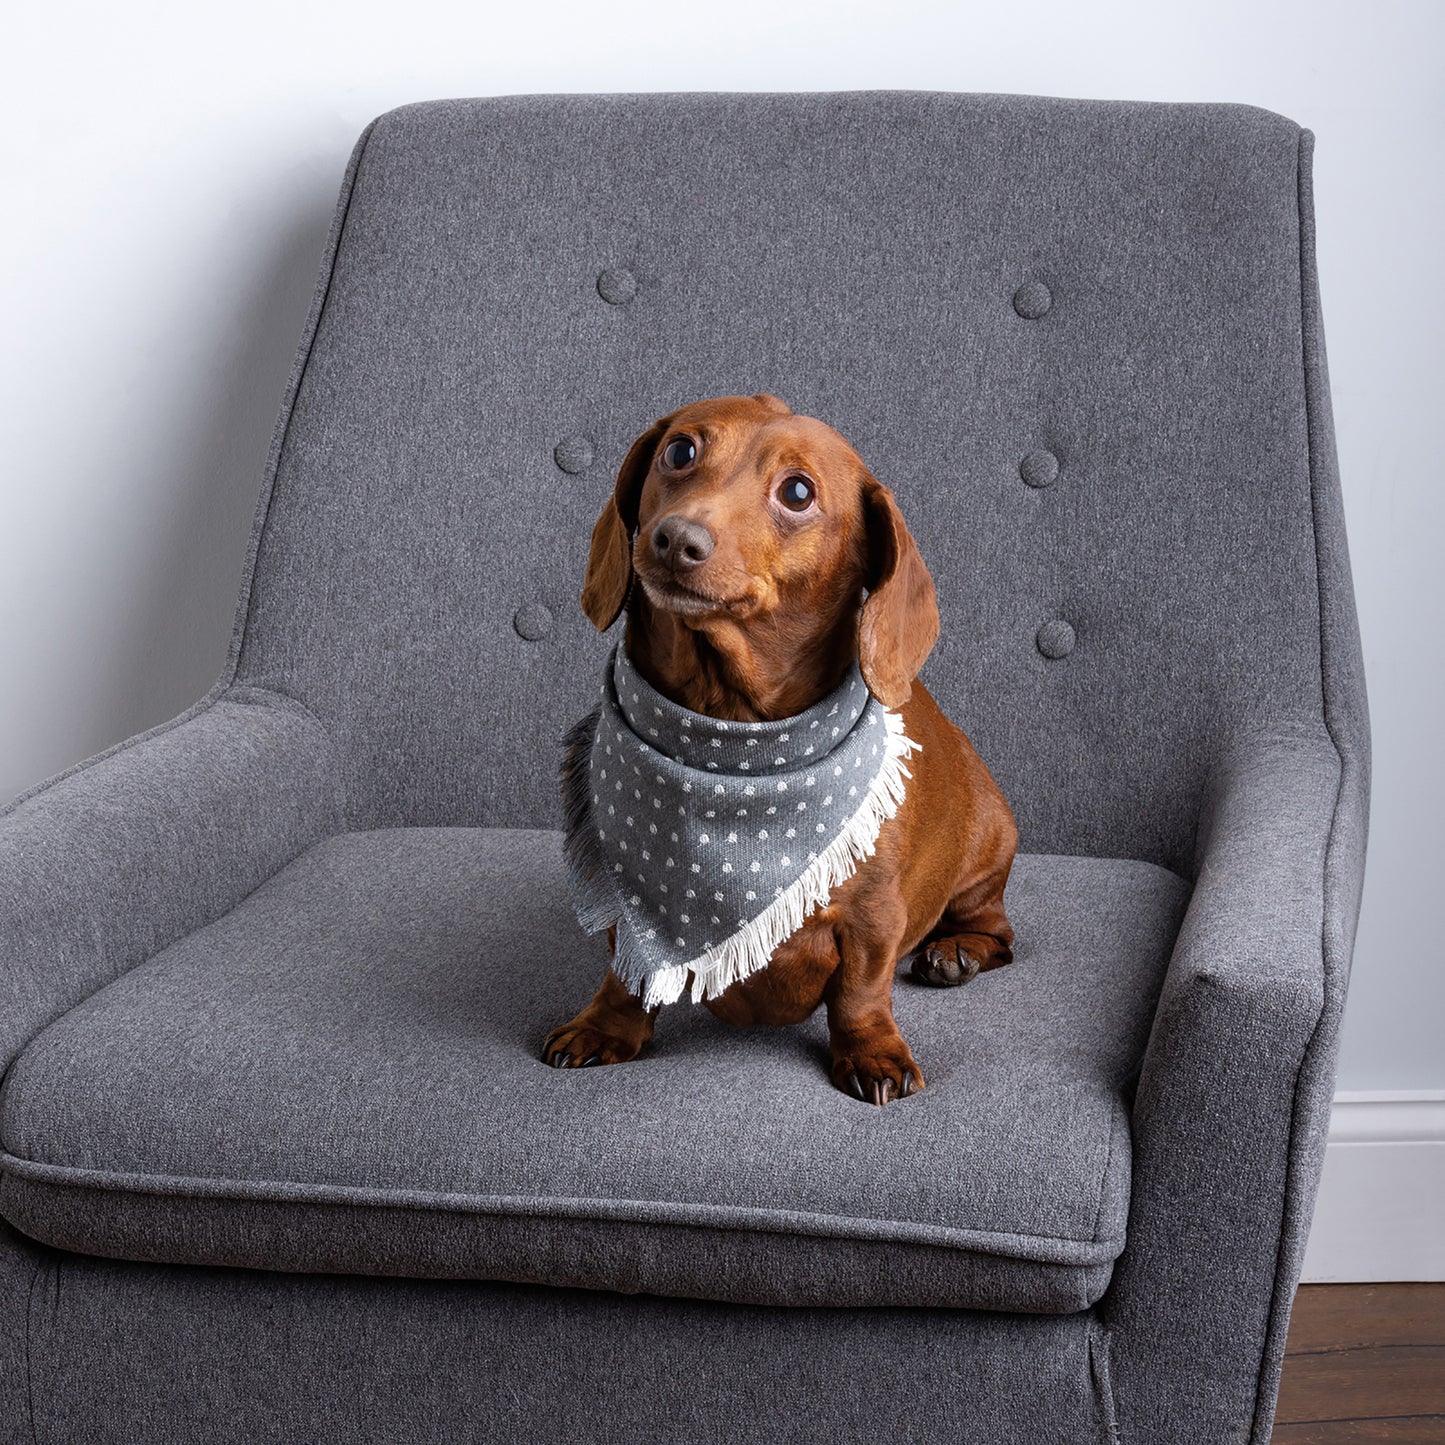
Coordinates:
column 108, row 863
column 1232, row 1109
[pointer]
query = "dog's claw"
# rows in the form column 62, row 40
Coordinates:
column 878, row 1076
column 944, row 964
column 585, row 1047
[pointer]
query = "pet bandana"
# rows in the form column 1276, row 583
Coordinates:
column 708, row 842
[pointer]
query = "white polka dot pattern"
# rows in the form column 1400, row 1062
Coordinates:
column 641, row 756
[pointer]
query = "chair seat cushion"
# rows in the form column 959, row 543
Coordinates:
column 342, row 1074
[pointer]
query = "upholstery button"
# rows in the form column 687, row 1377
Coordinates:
column 1032, row 300
column 573, row 454
column 616, row 286
column 1056, row 639
column 1039, row 469
column 532, row 621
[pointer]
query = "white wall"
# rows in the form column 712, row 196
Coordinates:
column 169, row 171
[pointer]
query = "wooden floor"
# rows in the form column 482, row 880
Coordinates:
column 1365, row 1365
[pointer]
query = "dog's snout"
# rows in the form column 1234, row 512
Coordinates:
column 682, row 544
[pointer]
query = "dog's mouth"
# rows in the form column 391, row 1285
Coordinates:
column 671, row 595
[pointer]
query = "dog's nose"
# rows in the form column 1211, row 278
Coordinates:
column 682, row 544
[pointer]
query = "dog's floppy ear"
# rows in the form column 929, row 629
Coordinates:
column 609, row 560
column 899, row 624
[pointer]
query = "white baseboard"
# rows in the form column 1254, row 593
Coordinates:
column 1381, row 1209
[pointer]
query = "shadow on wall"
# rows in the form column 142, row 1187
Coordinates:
column 204, row 477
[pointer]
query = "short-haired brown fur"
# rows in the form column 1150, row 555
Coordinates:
column 763, row 628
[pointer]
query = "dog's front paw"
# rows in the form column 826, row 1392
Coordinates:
column 944, row 964
column 581, row 1044
column 878, row 1071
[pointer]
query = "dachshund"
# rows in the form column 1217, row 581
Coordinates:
column 767, row 559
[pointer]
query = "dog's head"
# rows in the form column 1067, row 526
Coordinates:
column 736, row 510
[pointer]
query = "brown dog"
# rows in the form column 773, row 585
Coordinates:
column 769, row 559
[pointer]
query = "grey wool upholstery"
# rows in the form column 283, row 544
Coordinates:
column 277, row 1158
column 342, row 1074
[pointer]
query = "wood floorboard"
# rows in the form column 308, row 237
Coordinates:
column 1422, row 1430
column 1364, row 1365
column 1343, row 1316
column 1360, row 1384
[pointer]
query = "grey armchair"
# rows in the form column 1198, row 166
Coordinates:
column 280, row 1161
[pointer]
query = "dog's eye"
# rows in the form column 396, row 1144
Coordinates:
column 679, row 453
column 796, row 494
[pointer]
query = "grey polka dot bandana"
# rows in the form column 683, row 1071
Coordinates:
column 708, row 842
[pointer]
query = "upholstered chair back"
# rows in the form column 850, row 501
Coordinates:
column 1071, row 336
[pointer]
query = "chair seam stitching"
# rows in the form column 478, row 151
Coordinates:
column 295, row 703
column 1104, row 1177
column 283, row 426
column 300, row 366
column 441, row 1206
column 40, row 1266
column 1272, row 1321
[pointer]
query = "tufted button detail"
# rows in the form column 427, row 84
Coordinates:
column 574, row 454
column 1039, row 469
column 1056, row 639
column 1033, row 300
column 616, row 286
column 533, row 621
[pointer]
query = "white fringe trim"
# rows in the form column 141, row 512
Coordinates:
column 752, row 947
